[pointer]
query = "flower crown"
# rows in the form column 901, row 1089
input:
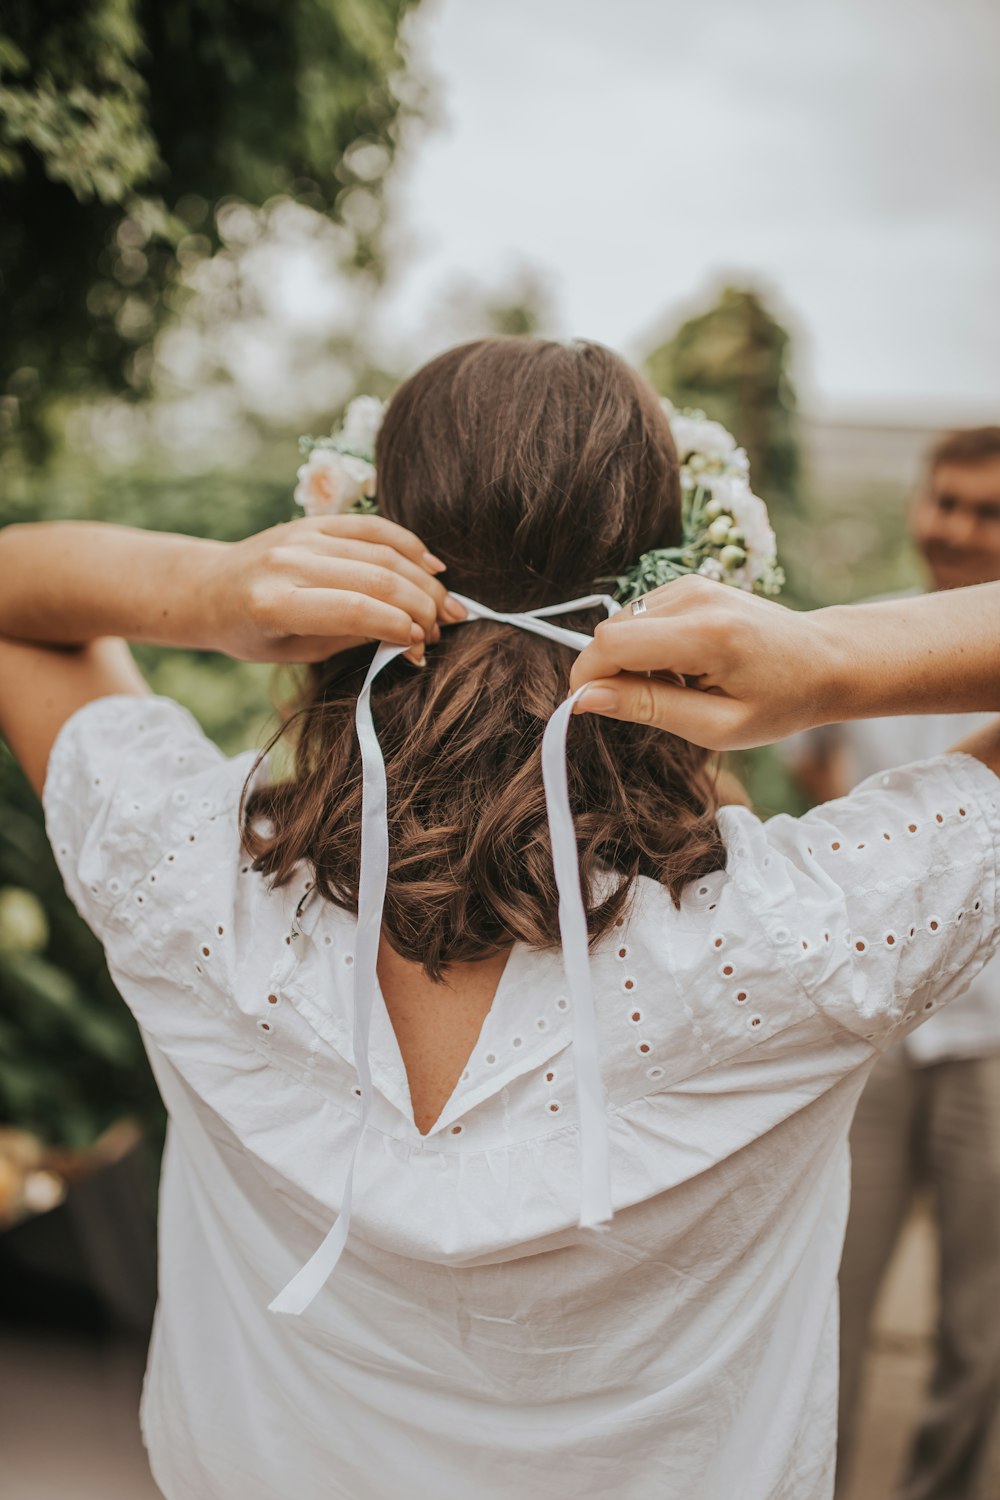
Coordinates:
column 725, row 531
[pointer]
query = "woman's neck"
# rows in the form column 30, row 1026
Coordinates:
column 437, row 1023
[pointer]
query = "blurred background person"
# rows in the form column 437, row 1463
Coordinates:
column 930, row 1114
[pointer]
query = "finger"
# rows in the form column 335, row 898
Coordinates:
column 692, row 647
column 378, row 529
column 679, row 596
column 357, row 577
column 316, row 648
column 379, row 554
column 335, row 614
column 708, row 719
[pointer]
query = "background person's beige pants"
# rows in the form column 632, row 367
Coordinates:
column 937, row 1126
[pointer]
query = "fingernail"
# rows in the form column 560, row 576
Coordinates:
column 416, row 633
column 453, row 609
column 596, row 701
column 417, row 661
column 434, row 563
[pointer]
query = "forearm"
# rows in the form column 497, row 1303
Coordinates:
column 69, row 582
column 936, row 653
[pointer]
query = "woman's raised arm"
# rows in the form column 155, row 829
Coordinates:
column 757, row 671
column 70, row 591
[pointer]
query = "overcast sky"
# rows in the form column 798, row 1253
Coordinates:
column 844, row 157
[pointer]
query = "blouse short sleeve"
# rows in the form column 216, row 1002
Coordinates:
column 892, row 891
column 141, row 810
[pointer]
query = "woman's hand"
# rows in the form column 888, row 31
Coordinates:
column 297, row 592
column 754, row 670
column 309, row 588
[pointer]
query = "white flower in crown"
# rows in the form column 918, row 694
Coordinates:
column 339, row 472
column 331, row 482
column 362, row 421
column 750, row 514
column 696, row 435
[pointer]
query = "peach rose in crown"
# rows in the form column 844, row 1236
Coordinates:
column 331, row 482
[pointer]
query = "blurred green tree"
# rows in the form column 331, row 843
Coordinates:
column 732, row 362
column 123, row 123
column 136, row 137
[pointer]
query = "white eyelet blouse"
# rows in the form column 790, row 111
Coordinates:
column 473, row 1341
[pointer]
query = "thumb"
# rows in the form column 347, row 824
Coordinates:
column 704, row 718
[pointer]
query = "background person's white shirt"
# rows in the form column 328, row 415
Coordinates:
column 473, row 1341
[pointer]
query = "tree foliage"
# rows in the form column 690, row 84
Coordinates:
column 71, row 1062
column 732, row 362
column 123, row 123
column 131, row 133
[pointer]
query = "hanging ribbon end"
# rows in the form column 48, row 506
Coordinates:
column 599, row 1221
column 292, row 1301
column 595, row 1206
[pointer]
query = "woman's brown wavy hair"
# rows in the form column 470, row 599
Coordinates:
column 533, row 470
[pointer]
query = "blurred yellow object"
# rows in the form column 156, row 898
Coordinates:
column 42, row 1191
column 35, row 1178
column 24, row 927
column 10, row 1190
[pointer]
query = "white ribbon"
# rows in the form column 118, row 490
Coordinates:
column 595, row 1167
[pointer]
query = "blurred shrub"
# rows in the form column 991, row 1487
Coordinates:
column 732, row 362
column 71, row 1061
column 139, row 141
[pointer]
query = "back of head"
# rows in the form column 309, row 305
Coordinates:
column 532, row 468
column 537, row 472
